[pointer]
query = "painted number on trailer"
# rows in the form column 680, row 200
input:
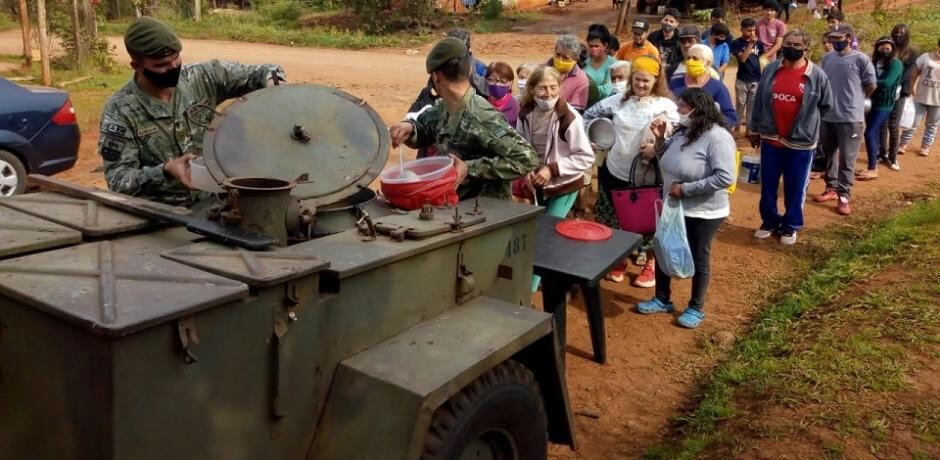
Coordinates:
column 515, row 245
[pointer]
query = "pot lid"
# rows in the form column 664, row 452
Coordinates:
column 337, row 140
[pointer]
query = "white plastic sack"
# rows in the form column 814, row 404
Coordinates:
column 907, row 114
column 817, row 14
column 670, row 242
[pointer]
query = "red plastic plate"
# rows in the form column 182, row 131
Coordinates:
column 583, row 230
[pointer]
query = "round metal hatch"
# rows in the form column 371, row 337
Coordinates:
column 331, row 142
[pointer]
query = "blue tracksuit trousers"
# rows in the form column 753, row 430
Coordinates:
column 794, row 166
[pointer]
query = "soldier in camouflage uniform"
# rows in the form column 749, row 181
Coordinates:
column 489, row 154
column 153, row 126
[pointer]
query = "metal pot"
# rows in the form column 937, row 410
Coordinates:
column 343, row 215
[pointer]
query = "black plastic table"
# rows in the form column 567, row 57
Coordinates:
column 563, row 262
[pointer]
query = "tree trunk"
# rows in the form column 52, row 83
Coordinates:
column 77, row 36
column 27, row 35
column 197, row 10
column 43, row 42
column 622, row 17
column 91, row 20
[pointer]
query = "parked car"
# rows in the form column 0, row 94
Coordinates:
column 38, row 134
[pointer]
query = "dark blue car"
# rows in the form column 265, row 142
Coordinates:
column 38, row 134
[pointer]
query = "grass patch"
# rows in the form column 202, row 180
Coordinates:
column 253, row 27
column 7, row 22
column 825, row 342
column 504, row 23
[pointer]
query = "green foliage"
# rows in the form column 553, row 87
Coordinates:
column 98, row 52
column 492, row 9
column 281, row 11
column 384, row 16
column 256, row 28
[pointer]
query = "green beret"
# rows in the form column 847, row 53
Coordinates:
column 445, row 50
column 151, row 38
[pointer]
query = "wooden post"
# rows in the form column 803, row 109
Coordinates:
column 622, row 17
column 77, row 36
column 43, row 42
column 197, row 10
column 27, row 35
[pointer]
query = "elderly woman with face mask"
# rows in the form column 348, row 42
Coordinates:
column 620, row 76
column 697, row 64
column 644, row 100
column 499, row 79
column 574, row 82
column 556, row 131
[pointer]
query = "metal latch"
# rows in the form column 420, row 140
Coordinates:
column 188, row 336
column 466, row 284
column 284, row 315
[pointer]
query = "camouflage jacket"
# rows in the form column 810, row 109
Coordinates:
column 139, row 133
column 477, row 133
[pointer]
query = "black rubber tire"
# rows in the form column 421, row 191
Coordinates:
column 503, row 409
column 18, row 169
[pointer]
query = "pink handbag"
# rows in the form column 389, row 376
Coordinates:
column 635, row 206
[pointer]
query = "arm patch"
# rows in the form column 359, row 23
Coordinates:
column 112, row 147
column 114, row 128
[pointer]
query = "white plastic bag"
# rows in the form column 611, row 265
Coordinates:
column 907, row 114
column 670, row 242
column 817, row 14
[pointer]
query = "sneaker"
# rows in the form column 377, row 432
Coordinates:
column 924, row 151
column 894, row 166
column 617, row 274
column 815, row 175
column 788, row 237
column 641, row 257
column 763, row 233
column 871, row 174
column 828, row 195
column 647, row 278
column 902, row 148
column 843, row 206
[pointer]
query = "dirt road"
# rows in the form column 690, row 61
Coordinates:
column 652, row 363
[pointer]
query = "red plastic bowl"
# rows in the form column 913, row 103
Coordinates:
column 412, row 195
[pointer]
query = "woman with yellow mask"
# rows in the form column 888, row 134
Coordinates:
column 574, row 82
column 698, row 61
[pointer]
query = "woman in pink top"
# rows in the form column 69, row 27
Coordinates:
column 770, row 30
column 574, row 82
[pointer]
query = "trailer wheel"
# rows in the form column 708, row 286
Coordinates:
column 498, row 416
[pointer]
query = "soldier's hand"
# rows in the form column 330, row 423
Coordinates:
column 461, row 168
column 178, row 168
column 400, row 132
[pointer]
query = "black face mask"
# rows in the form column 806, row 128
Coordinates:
column 883, row 54
column 168, row 79
column 791, row 54
column 900, row 40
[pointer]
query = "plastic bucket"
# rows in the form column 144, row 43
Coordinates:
column 424, row 169
column 436, row 184
column 750, row 169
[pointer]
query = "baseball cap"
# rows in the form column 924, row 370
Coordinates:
column 690, row 30
column 641, row 24
column 841, row 30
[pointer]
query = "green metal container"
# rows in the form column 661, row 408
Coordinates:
column 124, row 339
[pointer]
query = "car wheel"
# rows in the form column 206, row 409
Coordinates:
column 500, row 416
column 12, row 174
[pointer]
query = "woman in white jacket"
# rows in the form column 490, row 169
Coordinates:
column 556, row 131
column 646, row 98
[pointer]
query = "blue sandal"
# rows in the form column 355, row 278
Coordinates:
column 691, row 318
column 655, row 306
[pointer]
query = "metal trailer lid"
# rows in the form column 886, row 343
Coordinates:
column 337, row 140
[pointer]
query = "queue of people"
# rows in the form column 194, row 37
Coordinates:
column 673, row 118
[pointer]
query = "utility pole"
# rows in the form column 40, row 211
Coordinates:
column 43, row 42
column 27, row 35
